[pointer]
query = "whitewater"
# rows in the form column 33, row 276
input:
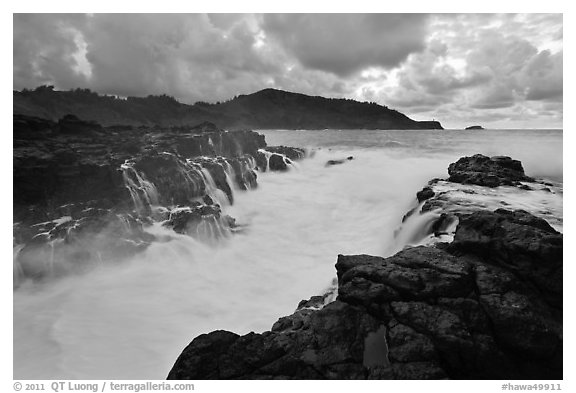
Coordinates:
column 131, row 320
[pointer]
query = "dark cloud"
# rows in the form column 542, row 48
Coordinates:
column 346, row 43
column 497, row 96
column 543, row 77
column 44, row 48
column 429, row 65
column 189, row 56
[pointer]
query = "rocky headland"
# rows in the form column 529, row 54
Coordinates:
column 83, row 192
column 482, row 299
column 264, row 109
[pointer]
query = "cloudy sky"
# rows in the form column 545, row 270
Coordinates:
column 496, row 70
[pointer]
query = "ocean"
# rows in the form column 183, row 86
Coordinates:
column 131, row 320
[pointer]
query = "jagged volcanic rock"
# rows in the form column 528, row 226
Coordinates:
column 487, row 171
column 277, row 158
column 518, row 241
column 75, row 179
column 443, row 314
column 324, row 344
column 293, row 153
column 424, row 194
column 486, row 306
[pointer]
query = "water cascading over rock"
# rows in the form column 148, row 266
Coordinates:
column 85, row 194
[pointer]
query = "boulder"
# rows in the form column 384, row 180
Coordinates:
column 338, row 162
column 424, row 194
column 486, row 171
column 277, row 162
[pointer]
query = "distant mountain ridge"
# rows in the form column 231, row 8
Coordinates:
column 268, row 108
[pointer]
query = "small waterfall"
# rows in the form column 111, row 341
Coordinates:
column 230, row 175
column 211, row 229
column 124, row 222
column 251, row 161
column 143, row 192
column 212, row 190
column 247, row 165
column 193, row 175
column 267, row 154
column 51, row 261
column 414, row 230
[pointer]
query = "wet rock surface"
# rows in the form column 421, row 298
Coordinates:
column 424, row 194
column 338, row 162
column 278, row 158
column 52, row 168
column 75, row 180
column 488, row 305
column 487, row 171
column 447, row 312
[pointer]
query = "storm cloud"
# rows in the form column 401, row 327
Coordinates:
column 346, row 43
column 455, row 68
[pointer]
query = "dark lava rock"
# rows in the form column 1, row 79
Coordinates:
column 276, row 162
column 29, row 127
column 326, row 344
column 293, row 153
column 245, row 176
column 518, row 241
column 53, row 168
column 83, row 240
column 486, row 171
column 75, row 180
column 487, row 306
column 280, row 157
column 71, row 124
column 190, row 220
column 338, row 162
column 424, row 194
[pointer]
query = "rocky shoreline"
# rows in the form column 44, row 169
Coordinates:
column 83, row 193
column 477, row 294
column 481, row 301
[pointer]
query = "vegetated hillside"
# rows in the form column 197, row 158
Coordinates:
column 268, row 108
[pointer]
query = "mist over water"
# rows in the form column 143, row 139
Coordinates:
column 131, row 320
